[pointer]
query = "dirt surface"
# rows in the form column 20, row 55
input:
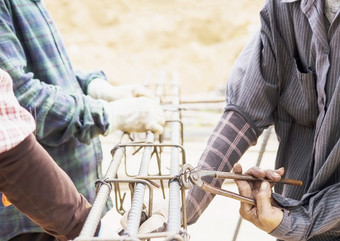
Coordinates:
column 131, row 39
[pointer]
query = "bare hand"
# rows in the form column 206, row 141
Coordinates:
column 264, row 215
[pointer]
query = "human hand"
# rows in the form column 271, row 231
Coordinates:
column 108, row 225
column 265, row 215
column 136, row 115
column 101, row 89
column 157, row 222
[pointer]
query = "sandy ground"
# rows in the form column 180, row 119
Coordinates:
column 135, row 40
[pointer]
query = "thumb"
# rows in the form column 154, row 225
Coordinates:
column 268, row 216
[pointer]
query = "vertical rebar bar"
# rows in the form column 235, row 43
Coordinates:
column 138, row 196
column 102, row 196
column 174, row 222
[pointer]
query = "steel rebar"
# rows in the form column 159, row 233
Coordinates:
column 138, row 196
column 174, row 222
column 102, row 196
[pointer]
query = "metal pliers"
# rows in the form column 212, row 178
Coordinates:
column 189, row 177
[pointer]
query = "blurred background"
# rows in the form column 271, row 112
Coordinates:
column 133, row 39
column 129, row 38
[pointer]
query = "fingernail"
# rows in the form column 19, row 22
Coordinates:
column 276, row 174
column 264, row 185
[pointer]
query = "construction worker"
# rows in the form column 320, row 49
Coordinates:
column 287, row 76
column 29, row 177
column 71, row 109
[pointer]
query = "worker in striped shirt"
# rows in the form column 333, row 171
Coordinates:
column 287, row 76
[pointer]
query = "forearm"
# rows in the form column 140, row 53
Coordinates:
column 230, row 139
column 44, row 82
column 35, row 184
column 85, row 79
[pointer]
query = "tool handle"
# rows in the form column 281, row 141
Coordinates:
column 230, row 175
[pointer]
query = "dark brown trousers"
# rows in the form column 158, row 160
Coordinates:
column 41, row 190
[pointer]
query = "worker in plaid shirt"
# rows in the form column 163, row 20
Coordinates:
column 71, row 109
column 26, row 171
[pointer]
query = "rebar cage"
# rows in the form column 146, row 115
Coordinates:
column 146, row 167
column 160, row 159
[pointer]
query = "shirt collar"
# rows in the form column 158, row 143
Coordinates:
column 305, row 4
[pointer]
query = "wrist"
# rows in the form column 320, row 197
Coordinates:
column 107, row 110
column 100, row 89
column 111, row 108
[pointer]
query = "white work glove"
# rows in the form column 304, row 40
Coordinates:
column 156, row 223
column 108, row 224
column 101, row 89
column 135, row 115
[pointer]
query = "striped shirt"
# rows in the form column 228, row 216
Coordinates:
column 68, row 121
column 16, row 123
column 287, row 76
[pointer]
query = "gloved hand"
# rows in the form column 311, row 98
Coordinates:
column 136, row 115
column 157, row 222
column 108, row 224
column 101, row 89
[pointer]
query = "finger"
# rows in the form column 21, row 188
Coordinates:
column 237, row 168
column 273, row 175
column 280, row 171
column 269, row 217
column 256, row 172
column 263, row 197
column 263, row 202
column 247, row 211
column 157, row 129
column 156, row 223
column 245, row 189
column 140, row 90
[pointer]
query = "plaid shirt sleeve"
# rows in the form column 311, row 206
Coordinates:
column 32, row 52
column 15, row 122
column 232, row 136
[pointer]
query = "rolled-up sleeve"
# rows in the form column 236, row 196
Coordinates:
column 85, row 78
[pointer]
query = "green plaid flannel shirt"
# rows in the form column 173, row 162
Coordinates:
column 68, row 121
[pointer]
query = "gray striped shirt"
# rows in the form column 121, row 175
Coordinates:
column 288, row 76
